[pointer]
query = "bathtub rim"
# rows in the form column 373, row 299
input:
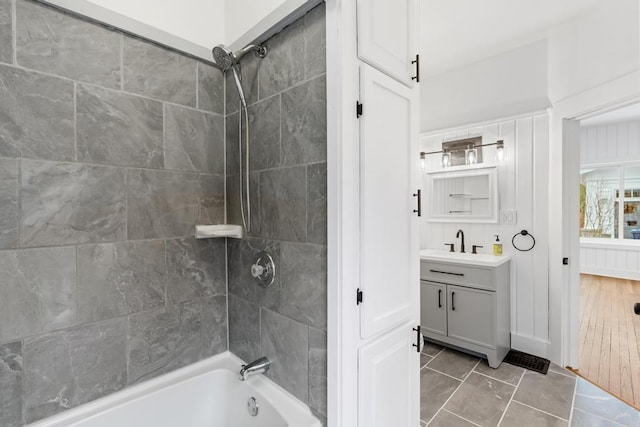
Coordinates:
column 287, row 404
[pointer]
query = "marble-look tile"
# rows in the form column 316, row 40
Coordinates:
column 317, row 203
column 36, row 115
column 551, row 393
column 212, row 204
column 232, row 149
column 453, row 363
column 118, row 129
column 71, row 367
column 160, row 73
column 116, row 279
column 432, row 349
column 210, row 88
column 38, row 291
column 283, row 66
column 304, row 123
column 592, row 399
column 8, row 203
column 11, row 373
column 481, row 400
column 162, row 203
column 196, row 269
column 424, row 359
column 286, row 343
column 560, row 370
column 57, row 43
column 6, row 43
column 234, row 206
column 304, row 283
column 447, row 419
column 65, row 203
column 194, row 140
column 435, row 389
column 586, row 419
column 283, row 204
column 244, row 329
column 249, row 68
column 505, row 372
column 163, row 340
column 518, row 415
column 315, row 42
column 264, row 135
column 214, row 325
column 241, row 255
column 318, row 370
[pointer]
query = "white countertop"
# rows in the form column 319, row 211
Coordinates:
column 482, row 260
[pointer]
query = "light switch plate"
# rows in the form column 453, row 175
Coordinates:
column 508, row 217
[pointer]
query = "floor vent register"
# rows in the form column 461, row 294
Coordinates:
column 528, row 361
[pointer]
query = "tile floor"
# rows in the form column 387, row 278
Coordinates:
column 457, row 389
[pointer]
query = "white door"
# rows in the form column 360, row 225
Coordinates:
column 471, row 315
column 389, row 245
column 433, row 307
column 387, row 32
column 389, row 380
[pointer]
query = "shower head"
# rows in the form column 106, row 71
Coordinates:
column 225, row 59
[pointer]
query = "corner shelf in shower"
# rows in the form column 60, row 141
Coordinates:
column 219, row 230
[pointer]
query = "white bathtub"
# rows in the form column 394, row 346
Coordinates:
column 205, row 394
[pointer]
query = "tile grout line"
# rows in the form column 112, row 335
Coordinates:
column 496, row 379
column 515, row 390
column 461, row 417
column 457, row 388
column 573, row 400
column 540, row 410
column 599, row 417
column 14, row 32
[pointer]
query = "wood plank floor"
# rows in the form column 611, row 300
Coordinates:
column 610, row 335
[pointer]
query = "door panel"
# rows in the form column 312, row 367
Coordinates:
column 389, row 232
column 387, row 32
column 433, row 307
column 390, row 363
column 471, row 314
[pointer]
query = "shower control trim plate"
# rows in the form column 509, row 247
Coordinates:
column 263, row 269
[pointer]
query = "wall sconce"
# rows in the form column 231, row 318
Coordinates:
column 471, row 154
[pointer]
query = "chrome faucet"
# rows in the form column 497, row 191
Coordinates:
column 259, row 366
column 460, row 234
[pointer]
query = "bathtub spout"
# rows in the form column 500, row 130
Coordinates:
column 259, row 366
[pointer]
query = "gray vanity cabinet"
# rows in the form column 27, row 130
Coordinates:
column 467, row 307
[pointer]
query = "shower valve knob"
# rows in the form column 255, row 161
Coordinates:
column 257, row 270
column 263, row 269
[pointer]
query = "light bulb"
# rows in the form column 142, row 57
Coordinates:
column 446, row 160
column 471, row 156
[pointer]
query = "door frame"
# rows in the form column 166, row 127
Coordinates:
column 564, row 239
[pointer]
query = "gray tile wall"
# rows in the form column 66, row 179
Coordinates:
column 288, row 138
column 111, row 149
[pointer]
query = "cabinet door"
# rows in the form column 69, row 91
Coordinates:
column 433, row 307
column 471, row 315
column 389, row 233
column 389, row 380
column 387, row 32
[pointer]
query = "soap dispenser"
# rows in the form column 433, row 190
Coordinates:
column 497, row 246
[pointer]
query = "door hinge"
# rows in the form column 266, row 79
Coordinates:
column 358, row 109
column 358, row 297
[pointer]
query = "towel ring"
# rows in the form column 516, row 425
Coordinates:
column 523, row 233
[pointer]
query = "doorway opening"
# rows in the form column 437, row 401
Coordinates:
column 609, row 212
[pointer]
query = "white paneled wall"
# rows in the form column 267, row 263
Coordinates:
column 523, row 187
column 610, row 144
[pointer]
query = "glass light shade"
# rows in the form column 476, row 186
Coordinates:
column 423, row 162
column 471, row 156
column 446, row 159
column 500, row 153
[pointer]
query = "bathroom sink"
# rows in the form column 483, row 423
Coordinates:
column 483, row 260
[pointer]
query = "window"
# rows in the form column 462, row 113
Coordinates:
column 604, row 214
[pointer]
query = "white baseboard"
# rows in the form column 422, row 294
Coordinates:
column 530, row 345
column 610, row 272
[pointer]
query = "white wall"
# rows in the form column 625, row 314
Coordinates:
column 505, row 85
column 522, row 185
column 595, row 47
column 241, row 15
column 613, row 143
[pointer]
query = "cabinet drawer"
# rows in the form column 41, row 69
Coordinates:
column 464, row 275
